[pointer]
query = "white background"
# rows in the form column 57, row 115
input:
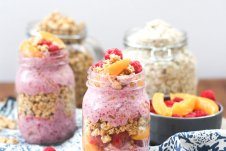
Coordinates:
column 107, row 20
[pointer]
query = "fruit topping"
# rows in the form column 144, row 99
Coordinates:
column 184, row 107
column 114, row 51
column 206, row 105
column 137, row 66
column 160, row 106
column 49, row 149
column 119, row 140
column 40, row 45
column 143, row 133
column 118, row 67
column 98, row 64
column 208, row 94
column 169, row 103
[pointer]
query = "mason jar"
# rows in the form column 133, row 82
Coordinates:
column 115, row 119
column 170, row 67
column 83, row 49
column 46, row 109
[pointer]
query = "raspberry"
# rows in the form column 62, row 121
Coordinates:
column 177, row 99
column 137, row 66
column 96, row 140
column 200, row 113
column 192, row 114
column 152, row 108
column 113, row 51
column 53, row 48
column 45, row 42
column 208, row 94
column 49, row 149
column 98, row 64
column 119, row 140
column 169, row 103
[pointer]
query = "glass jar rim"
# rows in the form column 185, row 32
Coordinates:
column 134, row 44
column 55, row 59
column 32, row 31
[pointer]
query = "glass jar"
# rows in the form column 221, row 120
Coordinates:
column 83, row 52
column 169, row 66
column 115, row 119
column 46, row 109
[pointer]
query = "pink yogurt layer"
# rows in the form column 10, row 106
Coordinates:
column 43, row 75
column 115, row 107
column 44, row 131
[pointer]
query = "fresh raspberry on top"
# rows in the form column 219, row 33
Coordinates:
column 177, row 99
column 49, row 149
column 114, row 51
column 169, row 103
column 137, row 66
column 208, row 94
column 98, row 64
column 53, row 48
column 45, row 42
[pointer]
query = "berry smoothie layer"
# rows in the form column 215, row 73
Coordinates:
column 115, row 106
column 45, row 87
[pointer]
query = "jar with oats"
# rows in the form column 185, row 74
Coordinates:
column 45, row 88
column 116, row 107
column 83, row 50
column 170, row 67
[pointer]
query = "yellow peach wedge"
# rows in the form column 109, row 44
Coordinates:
column 118, row 67
column 160, row 106
column 28, row 50
column 142, row 134
column 208, row 106
column 184, row 107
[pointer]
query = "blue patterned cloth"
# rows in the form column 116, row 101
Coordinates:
column 213, row 140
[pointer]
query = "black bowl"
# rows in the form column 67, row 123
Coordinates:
column 163, row 127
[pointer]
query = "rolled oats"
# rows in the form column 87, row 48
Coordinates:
column 7, row 123
column 169, row 66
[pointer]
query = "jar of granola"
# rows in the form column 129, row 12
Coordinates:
column 116, row 107
column 45, row 88
column 83, row 50
column 162, row 49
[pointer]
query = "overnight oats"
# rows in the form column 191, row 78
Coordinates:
column 115, row 106
column 45, row 88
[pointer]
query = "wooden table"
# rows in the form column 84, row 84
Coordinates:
column 218, row 85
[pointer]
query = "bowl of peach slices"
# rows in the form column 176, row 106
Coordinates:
column 181, row 112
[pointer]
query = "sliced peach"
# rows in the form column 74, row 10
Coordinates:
column 184, row 107
column 28, row 50
column 87, row 146
column 51, row 37
column 142, row 134
column 204, row 104
column 160, row 106
column 207, row 105
column 117, row 67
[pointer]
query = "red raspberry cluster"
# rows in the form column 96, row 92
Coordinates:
column 51, row 46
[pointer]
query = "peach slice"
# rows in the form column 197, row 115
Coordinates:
column 184, row 107
column 51, row 37
column 28, row 50
column 117, row 67
column 142, row 134
column 160, row 106
column 207, row 105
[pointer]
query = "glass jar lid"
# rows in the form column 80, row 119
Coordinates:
column 156, row 35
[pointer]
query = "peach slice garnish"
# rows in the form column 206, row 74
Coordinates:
column 160, row 106
column 118, row 67
column 142, row 134
column 184, row 107
column 28, row 50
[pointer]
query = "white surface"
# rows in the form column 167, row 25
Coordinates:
column 204, row 20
